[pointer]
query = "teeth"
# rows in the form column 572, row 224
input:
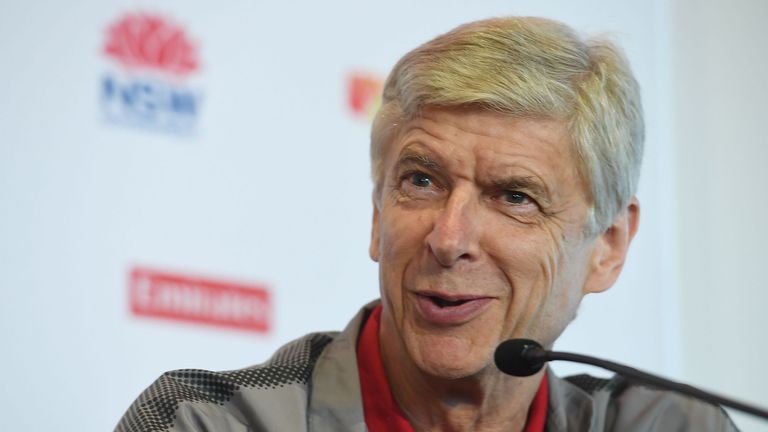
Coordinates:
column 446, row 303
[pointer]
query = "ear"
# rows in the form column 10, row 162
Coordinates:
column 610, row 249
column 373, row 249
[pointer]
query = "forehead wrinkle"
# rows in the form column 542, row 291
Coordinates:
column 438, row 153
column 477, row 122
column 447, row 144
column 524, row 163
column 415, row 127
column 512, row 170
column 418, row 143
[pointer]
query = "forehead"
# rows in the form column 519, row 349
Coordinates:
column 472, row 139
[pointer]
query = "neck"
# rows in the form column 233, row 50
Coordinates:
column 485, row 401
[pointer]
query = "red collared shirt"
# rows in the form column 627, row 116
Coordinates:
column 383, row 414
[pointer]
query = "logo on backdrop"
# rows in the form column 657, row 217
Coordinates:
column 364, row 94
column 153, row 60
column 195, row 299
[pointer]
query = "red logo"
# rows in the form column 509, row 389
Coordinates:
column 195, row 299
column 364, row 93
column 148, row 41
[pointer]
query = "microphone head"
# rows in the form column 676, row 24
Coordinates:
column 513, row 357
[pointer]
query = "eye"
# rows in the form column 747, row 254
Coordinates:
column 420, row 179
column 418, row 185
column 515, row 197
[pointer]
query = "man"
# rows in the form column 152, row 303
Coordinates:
column 505, row 158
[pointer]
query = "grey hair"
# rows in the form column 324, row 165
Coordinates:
column 525, row 66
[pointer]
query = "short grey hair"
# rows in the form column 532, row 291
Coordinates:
column 526, row 67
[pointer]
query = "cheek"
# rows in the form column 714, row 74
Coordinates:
column 533, row 264
column 560, row 301
column 529, row 261
column 401, row 245
column 402, row 234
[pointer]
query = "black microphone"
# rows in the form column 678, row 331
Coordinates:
column 525, row 357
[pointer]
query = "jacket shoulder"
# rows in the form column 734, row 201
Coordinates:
column 201, row 395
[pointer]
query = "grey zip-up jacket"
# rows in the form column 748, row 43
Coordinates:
column 311, row 384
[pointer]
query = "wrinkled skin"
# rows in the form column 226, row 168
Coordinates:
column 474, row 204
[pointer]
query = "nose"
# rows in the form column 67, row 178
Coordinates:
column 454, row 235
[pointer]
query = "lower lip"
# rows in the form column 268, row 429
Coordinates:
column 451, row 315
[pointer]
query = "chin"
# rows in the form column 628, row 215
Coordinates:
column 450, row 359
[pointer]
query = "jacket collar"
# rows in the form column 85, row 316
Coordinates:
column 335, row 402
column 570, row 408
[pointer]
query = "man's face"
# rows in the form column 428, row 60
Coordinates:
column 479, row 233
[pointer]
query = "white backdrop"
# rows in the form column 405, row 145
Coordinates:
column 270, row 188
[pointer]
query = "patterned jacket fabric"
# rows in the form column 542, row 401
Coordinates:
column 311, row 384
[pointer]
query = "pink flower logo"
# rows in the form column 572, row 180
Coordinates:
column 148, row 41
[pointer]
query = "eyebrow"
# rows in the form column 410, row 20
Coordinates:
column 418, row 159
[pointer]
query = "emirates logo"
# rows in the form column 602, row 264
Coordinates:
column 195, row 299
column 146, row 41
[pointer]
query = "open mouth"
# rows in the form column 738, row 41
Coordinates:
column 444, row 309
column 444, row 303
